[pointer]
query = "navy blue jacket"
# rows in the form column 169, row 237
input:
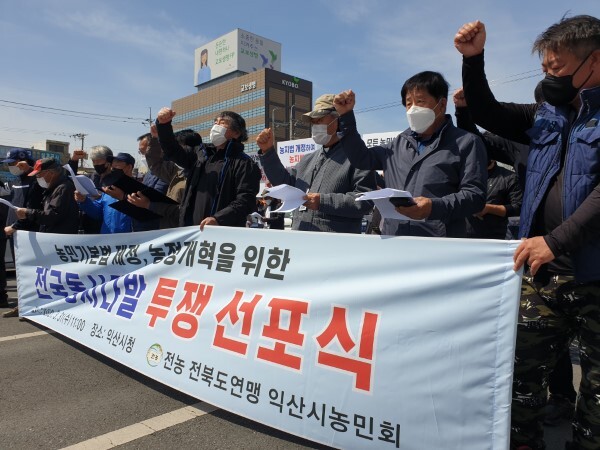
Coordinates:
column 550, row 133
column 451, row 171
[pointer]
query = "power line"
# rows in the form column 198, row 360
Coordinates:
column 516, row 79
column 504, row 80
column 25, row 144
column 534, row 71
column 71, row 111
column 378, row 107
column 68, row 115
column 29, row 131
column 124, row 119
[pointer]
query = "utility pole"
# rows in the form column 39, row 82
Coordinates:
column 274, row 123
column 292, row 122
column 82, row 137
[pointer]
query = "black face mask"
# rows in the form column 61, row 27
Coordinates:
column 559, row 91
column 118, row 173
column 100, row 168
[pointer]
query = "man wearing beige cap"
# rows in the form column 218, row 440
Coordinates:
column 330, row 182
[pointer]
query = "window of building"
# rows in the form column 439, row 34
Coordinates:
column 277, row 95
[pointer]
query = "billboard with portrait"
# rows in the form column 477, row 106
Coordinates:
column 236, row 50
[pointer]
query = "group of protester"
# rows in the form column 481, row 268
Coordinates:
column 451, row 171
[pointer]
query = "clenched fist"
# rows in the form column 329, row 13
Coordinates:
column 470, row 38
column 344, row 102
column 165, row 115
column 265, row 140
column 459, row 98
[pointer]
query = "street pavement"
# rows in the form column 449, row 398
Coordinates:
column 56, row 393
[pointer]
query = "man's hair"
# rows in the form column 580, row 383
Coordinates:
column 188, row 137
column 144, row 136
column 432, row 82
column 236, row 123
column 101, row 152
column 57, row 169
column 579, row 34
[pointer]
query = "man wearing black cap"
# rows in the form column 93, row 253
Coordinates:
column 58, row 212
column 113, row 221
column 329, row 180
column 25, row 192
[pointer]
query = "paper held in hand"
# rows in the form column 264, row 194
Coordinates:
column 290, row 196
column 82, row 183
column 7, row 203
column 385, row 199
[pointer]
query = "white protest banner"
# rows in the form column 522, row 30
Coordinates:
column 352, row 341
column 374, row 139
column 291, row 152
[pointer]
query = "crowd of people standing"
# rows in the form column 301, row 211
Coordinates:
column 459, row 190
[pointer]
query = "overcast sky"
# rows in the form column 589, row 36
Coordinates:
column 120, row 58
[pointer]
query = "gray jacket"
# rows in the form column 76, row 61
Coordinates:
column 337, row 182
column 451, row 171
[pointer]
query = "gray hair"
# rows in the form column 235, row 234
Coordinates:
column 579, row 34
column 236, row 123
column 101, row 152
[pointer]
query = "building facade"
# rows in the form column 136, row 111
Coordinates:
column 55, row 147
column 265, row 98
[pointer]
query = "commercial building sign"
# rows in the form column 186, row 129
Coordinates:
column 236, row 50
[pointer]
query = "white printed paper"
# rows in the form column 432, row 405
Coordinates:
column 380, row 199
column 7, row 203
column 290, row 196
column 82, row 183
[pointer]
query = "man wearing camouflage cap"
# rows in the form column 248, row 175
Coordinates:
column 330, row 182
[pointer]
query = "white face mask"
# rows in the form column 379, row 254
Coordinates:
column 420, row 118
column 319, row 133
column 217, row 135
column 15, row 170
column 43, row 183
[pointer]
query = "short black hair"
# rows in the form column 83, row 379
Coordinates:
column 188, row 137
column 432, row 82
column 144, row 136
